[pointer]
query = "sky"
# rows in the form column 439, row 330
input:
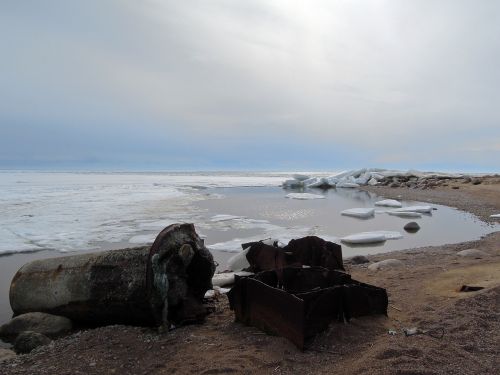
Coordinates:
column 250, row 85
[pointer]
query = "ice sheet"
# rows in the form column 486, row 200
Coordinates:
column 389, row 203
column 363, row 213
column 304, row 196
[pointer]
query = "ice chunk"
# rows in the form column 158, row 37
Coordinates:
column 347, row 185
column 495, row 215
column 315, row 182
column 304, row 196
column 404, row 214
column 300, row 177
column 238, row 261
column 227, row 278
column 372, row 181
column 292, row 184
column 359, row 212
column 388, row 203
column 218, row 218
column 364, row 238
column 421, row 209
column 371, row 237
column 143, row 239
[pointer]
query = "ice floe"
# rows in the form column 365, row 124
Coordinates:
column 371, row 237
column 495, row 215
column 389, row 203
column 304, row 196
column 408, row 214
column 419, row 209
column 363, row 213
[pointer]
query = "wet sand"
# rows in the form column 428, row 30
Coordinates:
column 423, row 293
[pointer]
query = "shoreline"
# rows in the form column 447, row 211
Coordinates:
column 422, row 293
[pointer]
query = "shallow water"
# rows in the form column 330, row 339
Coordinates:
column 84, row 212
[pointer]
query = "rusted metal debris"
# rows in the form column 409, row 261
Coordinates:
column 297, row 303
column 287, row 299
column 310, row 250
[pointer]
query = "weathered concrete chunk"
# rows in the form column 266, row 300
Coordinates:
column 46, row 324
column 163, row 284
column 29, row 340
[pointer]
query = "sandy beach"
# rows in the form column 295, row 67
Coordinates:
column 423, row 293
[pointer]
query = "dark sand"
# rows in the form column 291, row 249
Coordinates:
column 423, row 293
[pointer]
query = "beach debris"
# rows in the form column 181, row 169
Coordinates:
column 46, row 324
column 29, row 340
column 469, row 288
column 297, row 303
column 436, row 333
column 216, row 292
column 362, row 213
column 412, row 227
column 392, row 332
column 304, row 196
column 389, row 203
column 145, row 286
column 385, row 264
column 473, row 253
column 309, row 251
column 371, row 237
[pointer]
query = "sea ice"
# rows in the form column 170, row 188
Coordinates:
column 405, row 214
column 495, row 215
column 421, row 209
column 388, row 203
column 359, row 212
column 218, row 218
column 238, row 261
column 371, row 237
column 347, row 185
column 304, row 196
column 300, row 177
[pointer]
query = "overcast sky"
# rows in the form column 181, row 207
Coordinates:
column 158, row 84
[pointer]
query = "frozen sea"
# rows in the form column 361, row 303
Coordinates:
column 47, row 214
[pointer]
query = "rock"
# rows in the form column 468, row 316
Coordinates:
column 29, row 340
column 412, row 227
column 385, row 264
column 359, row 259
column 6, row 354
column 132, row 286
column 473, row 253
column 476, row 181
column 46, row 324
column 394, row 185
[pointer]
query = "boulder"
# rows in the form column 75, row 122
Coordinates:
column 46, row 324
column 386, row 264
column 412, row 227
column 29, row 340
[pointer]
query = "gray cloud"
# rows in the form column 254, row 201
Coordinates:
column 390, row 81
